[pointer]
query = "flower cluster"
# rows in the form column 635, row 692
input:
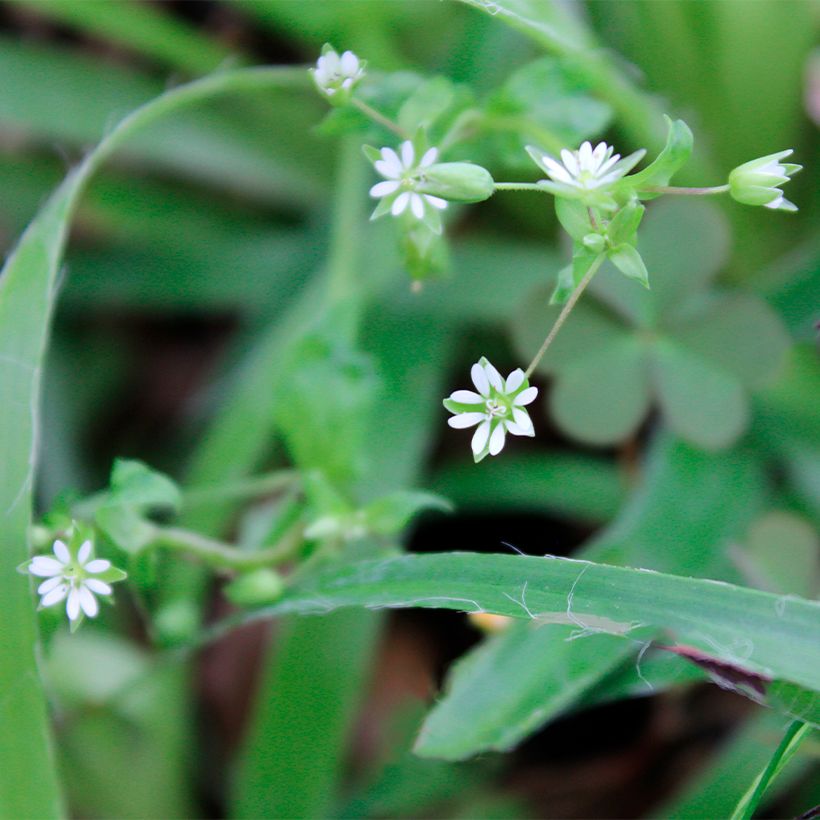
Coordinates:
column 335, row 74
column 73, row 576
column 497, row 408
column 403, row 174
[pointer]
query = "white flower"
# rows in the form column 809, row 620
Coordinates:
column 403, row 174
column 586, row 169
column 334, row 72
column 71, row 578
column 758, row 182
column 497, row 408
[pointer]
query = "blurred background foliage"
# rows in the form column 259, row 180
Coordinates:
column 680, row 428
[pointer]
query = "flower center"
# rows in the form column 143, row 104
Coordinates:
column 495, row 408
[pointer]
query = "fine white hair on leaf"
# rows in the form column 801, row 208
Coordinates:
column 522, row 602
column 644, row 650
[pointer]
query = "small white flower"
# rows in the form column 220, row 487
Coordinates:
column 758, row 182
column 497, row 408
column 75, row 579
column 403, row 174
column 586, row 169
column 334, row 72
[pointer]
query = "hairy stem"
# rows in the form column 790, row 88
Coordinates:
column 564, row 315
column 379, row 118
column 520, row 186
column 671, row 189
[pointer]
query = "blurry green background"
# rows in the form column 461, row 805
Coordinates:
column 201, row 250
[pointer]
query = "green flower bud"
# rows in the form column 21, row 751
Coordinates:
column 262, row 586
column 595, row 242
column 456, row 181
column 758, row 182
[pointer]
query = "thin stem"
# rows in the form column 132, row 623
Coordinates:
column 562, row 317
column 671, row 189
column 252, row 487
column 225, row 556
column 520, row 186
column 379, row 118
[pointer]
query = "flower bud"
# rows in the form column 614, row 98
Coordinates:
column 336, row 74
column 758, row 182
column 457, row 182
column 595, row 242
column 262, row 586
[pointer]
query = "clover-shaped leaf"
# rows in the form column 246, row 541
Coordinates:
column 689, row 348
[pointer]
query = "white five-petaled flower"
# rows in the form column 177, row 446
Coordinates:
column 71, row 578
column 402, row 174
column 586, row 169
column 337, row 72
column 497, row 408
column 758, row 182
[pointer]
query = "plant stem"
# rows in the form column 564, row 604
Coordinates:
column 667, row 189
column 520, row 186
column 225, row 556
column 379, row 118
column 562, row 317
column 252, row 487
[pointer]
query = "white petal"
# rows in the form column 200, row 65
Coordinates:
column 557, row 171
column 514, row 380
column 585, row 156
column 346, row 84
column 462, row 420
column 494, row 377
column 408, row 154
column 45, row 567
column 466, row 397
column 349, row 63
column 436, row 201
column 72, row 606
column 775, row 203
column 480, row 437
column 598, row 155
column 95, row 585
column 88, row 602
column 389, row 165
column 384, row 188
column 400, row 203
column 97, row 565
column 51, row 583
column 61, row 551
column 55, row 596
column 523, row 421
column 497, row 440
column 570, row 162
column 480, row 380
column 526, row 396
column 417, row 206
column 84, row 553
column 608, row 164
column 514, row 429
column 430, row 156
column 331, row 62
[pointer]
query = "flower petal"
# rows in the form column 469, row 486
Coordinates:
column 494, row 377
column 408, row 154
column 570, row 162
column 384, row 188
column 557, row 171
column 400, row 203
column 466, row 397
column 497, row 440
column 100, row 587
column 54, row 596
column 72, row 606
column 417, row 206
column 84, row 553
column 514, row 380
column 61, row 551
column 48, row 585
column 349, row 63
column 480, row 437
column 436, row 201
column 462, row 420
column 523, row 420
column 44, row 567
column 88, row 602
column 430, row 156
column 526, row 396
column 389, row 165
column 97, row 565
column 480, row 380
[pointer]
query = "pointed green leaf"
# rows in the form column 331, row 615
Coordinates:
column 628, row 261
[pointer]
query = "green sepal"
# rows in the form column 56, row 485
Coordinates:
column 676, row 152
column 574, row 217
column 424, row 251
column 564, row 286
column 629, row 262
column 624, row 225
column 461, row 407
column 372, row 154
column 456, row 182
column 432, row 219
column 383, row 207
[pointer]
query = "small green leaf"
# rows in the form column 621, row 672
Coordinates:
column 125, row 527
column 426, row 105
column 624, row 225
column 674, row 155
column 135, row 484
column 628, row 261
column 564, row 285
column 574, row 217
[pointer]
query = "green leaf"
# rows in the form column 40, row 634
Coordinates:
column 624, row 225
column 628, row 261
column 702, row 403
column 604, row 396
column 574, row 217
column 675, row 153
column 429, row 102
column 392, row 513
column 125, row 527
column 778, row 635
column 135, row 484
